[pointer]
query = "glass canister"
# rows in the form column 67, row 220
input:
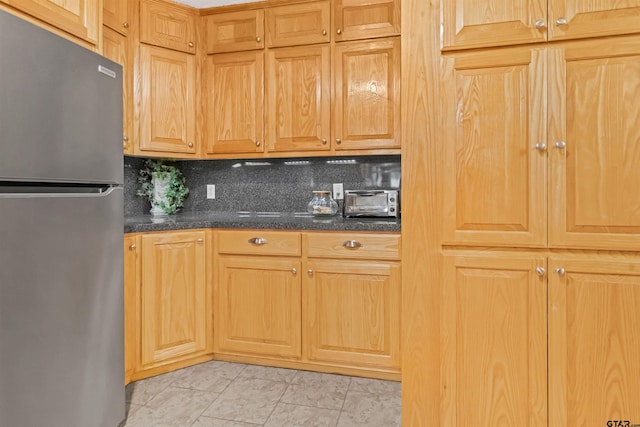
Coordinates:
column 322, row 204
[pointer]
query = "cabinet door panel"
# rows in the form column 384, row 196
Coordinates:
column 131, row 292
column 80, row 18
column 495, row 192
column 298, row 104
column 234, row 103
column 594, row 341
column 235, row 31
column 472, row 23
column 166, row 25
column 258, row 307
column 361, row 19
column 174, row 296
column 116, row 15
column 115, row 46
column 298, row 24
column 594, row 92
column 366, row 105
column 352, row 313
column 593, row 18
column 493, row 347
column 168, row 109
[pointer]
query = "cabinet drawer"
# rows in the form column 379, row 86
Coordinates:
column 298, row 24
column 259, row 242
column 162, row 24
column 352, row 245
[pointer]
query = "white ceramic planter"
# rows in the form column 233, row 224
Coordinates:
column 160, row 186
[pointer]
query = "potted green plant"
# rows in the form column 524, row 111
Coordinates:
column 163, row 186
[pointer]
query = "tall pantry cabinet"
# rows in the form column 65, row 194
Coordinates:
column 531, row 143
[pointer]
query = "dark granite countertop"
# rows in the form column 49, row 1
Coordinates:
column 258, row 220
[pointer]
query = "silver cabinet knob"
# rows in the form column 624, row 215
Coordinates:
column 132, row 246
column 540, row 271
column 324, row 141
column 561, row 271
column 324, row 32
column 338, row 141
column 541, row 146
column 561, row 145
column 294, row 271
column 561, row 21
column 125, row 25
column 352, row 244
column 339, row 31
column 310, row 272
column 540, row 24
column 190, row 44
column 258, row 39
column 258, row 241
column 257, row 143
column 190, row 144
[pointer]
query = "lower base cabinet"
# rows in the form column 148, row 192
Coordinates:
column 530, row 339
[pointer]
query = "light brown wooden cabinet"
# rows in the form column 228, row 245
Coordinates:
column 235, row 31
column 164, row 24
column 364, row 19
column 116, row 15
column 79, row 18
column 235, row 98
column 351, row 299
column 116, row 47
column 472, row 24
column 366, row 95
column 298, row 24
column 131, row 281
column 298, row 87
column 167, row 102
column 174, row 306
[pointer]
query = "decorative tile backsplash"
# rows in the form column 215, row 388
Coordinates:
column 267, row 185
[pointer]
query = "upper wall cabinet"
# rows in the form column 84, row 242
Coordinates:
column 235, row 31
column 362, row 19
column 163, row 24
column 116, row 15
column 298, row 24
column 472, row 24
column 80, row 18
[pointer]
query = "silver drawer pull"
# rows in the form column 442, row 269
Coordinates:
column 258, row 241
column 352, row 244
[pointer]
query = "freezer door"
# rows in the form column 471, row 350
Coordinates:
column 60, row 108
column 61, row 309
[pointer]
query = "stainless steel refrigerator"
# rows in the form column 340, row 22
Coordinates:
column 61, row 229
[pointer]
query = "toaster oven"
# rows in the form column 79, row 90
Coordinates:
column 371, row 203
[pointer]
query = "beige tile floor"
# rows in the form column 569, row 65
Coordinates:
column 221, row 394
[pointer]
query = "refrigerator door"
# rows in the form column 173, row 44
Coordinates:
column 60, row 108
column 61, row 308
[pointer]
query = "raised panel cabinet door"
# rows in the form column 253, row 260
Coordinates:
column 116, row 15
column 363, row 19
column 258, row 306
column 495, row 151
column 80, row 18
column 235, row 31
column 352, row 313
column 115, row 46
column 366, row 103
column 131, row 292
column 298, row 88
column 234, row 111
column 298, row 24
column 493, row 340
column 167, row 101
column 569, row 19
column 472, row 23
column 594, row 340
column 173, row 298
column 594, row 138
column 168, row 25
